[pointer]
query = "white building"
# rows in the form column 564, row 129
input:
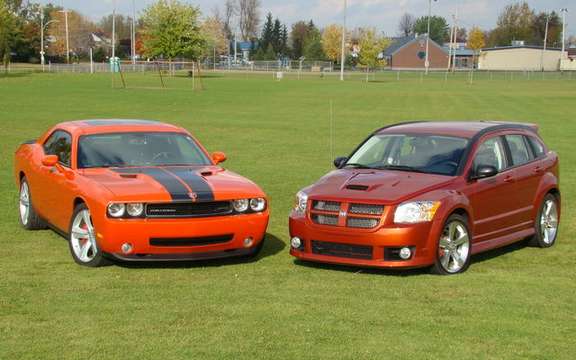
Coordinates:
column 519, row 58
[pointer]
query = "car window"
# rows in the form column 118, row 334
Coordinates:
column 491, row 153
column 537, row 147
column 518, row 149
column 60, row 144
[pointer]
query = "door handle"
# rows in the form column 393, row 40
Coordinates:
column 538, row 170
column 509, row 179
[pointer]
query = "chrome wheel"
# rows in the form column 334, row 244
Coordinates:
column 24, row 203
column 549, row 222
column 454, row 247
column 83, row 238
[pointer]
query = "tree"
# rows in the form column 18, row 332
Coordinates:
column 248, row 18
column 267, row 37
column 298, row 36
column 8, row 32
column 514, row 23
column 313, row 47
column 371, row 45
column 79, row 30
column 123, row 26
column 215, row 36
column 476, row 41
column 171, row 29
column 554, row 29
column 439, row 29
column 406, row 24
column 332, row 42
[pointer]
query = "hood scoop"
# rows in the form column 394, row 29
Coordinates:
column 128, row 176
column 357, row 187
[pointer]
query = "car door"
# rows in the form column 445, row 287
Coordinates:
column 528, row 172
column 492, row 198
column 56, row 194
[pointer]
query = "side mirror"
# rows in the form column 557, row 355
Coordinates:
column 484, row 171
column 218, row 157
column 50, row 160
column 340, row 161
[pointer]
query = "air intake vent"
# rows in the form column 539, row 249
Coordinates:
column 366, row 209
column 320, row 205
column 362, row 223
column 331, row 220
column 357, row 187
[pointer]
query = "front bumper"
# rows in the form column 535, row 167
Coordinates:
column 422, row 238
column 113, row 233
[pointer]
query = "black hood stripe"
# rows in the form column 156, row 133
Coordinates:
column 196, row 182
column 173, row 186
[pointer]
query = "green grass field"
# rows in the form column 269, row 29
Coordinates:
column 517, row 302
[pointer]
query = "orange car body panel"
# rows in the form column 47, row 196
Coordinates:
column 501, row 209
column 56, row 189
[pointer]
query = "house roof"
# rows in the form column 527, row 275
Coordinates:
column 499, row 48
column 400, row 42
column 460, row 51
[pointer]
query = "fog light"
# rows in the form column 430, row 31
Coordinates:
column 295, row 242
column 248, row 242
column 126, row 248
column 405, row 253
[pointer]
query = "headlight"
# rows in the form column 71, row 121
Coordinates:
column 135, row 209
column 116, row 210
column 416, row 212
column 258, row 204
column 301, row 202
column 240, row 205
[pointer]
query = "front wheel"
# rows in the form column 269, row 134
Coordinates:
column 29, row 219
column 453, row 253
column 546, row 224
column 82, row 239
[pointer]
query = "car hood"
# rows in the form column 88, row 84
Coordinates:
column 386, row 186
column 174, row 183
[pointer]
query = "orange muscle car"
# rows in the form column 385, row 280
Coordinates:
column 137, row 190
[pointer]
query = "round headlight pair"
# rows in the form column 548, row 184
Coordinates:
column 118, row 210
column 242, row 205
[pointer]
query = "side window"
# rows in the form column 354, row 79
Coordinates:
column 537, row 147
column 491, row 153
column 59, row 143
column 518, row 149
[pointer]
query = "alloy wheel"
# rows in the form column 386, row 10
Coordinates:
column 454, row 247
column 83, row 238
column 24, row 203
column 549, row 222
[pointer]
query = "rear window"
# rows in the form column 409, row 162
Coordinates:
column 518, row 149
column 537, row 147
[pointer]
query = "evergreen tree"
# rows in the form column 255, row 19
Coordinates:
column 266, row 38
column 284, row 41
column 276, row 35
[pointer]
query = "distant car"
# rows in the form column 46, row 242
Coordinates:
column 430, row 194
column 137, row 190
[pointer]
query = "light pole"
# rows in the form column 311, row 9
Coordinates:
column 42, row 29
column 114, row 31
column 133, row 40
column 342, row 50
column 427, row 61
column 545, row 41
column 67, row 35
column 563, row 11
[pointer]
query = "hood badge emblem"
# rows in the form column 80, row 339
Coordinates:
column 193, row 196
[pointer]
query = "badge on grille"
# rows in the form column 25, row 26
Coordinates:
column 342, row 213
column 193, row 196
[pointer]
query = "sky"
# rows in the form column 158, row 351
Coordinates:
column 381, row 14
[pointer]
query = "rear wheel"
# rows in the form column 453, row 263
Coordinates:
column 82, row 239
column 546, row 224
column 29, row 219
column 453, row 253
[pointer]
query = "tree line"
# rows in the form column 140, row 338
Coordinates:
column 170, row 29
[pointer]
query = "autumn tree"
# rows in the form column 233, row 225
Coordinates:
column 332, row 42
column 554, row 29
column 248, row 18
column 171, row 29
column 79, row 30
column 439, row 29
column 214, row 34
column 8, row 30
column 371, row 46
column 476, row 41
column 514, row 23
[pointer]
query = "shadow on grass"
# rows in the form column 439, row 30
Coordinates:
column 3, row 75
column 491, row 254
column 272, row 246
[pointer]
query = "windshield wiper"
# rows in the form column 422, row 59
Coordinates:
column 360, row 166
column 400, row 168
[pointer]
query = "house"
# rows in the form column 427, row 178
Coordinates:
column 519, row 58
column 463, row 55
column 409, row 52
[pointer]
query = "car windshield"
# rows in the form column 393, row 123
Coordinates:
column 139, row 149
column 432, row 154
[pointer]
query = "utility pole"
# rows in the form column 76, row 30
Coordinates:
column 133, row 39
column 564, row 11
column 114, row 32
column 451, row 47
column 67, row 35
column 427, row 62
column 343, row 48
column 42, row 29
column 545, row 42
column 455, row 40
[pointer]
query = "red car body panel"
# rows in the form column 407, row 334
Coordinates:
column 57, row 190
column 501, row 209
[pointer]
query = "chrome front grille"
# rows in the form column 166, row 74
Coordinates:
column 352, row 215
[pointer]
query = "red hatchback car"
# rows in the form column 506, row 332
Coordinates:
column 430, row 194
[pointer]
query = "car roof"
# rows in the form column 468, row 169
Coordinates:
column 465, row 129
column 98, row 126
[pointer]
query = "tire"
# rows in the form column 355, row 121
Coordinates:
column 82, row 239
column 453, row 252
column 29, row 219
column 546, row 223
